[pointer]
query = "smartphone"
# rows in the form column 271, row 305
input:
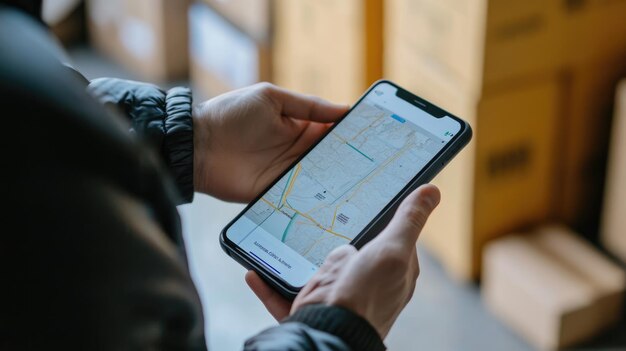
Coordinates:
column 346, row 187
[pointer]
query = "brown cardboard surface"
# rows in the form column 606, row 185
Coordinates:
column 613, row 230
column 586, row 127
column 446, row 35
column 71, row 29
column 223, row 57
column 326, row 47
column 522, row 38
column 477, row 43
column 211, row 83
column 516, row 157
column 596, row 57
column 505, row 178
column 463, row 54
column 252, row 16
column 551, row 287
column 594, row 30
column 148, row 37
column 485, row 43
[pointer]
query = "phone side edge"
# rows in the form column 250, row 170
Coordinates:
column 429, row 174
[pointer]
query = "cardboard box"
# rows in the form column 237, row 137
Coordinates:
column 516, row 160
column 584, row 141
column 596, row 30
column 223, row 58
column 486, row 44
column 613, row 233
column 551, row 287
column 328, row 48
column 149, row 37
column 252, row 16
column 596, row 59
column 462, row 54
column 477, row 43
column 66, row 20
column 505, row 178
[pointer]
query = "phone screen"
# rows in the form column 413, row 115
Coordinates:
column 341, row 185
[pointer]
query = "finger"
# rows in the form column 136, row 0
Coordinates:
column 306, row 107
column 277, row 305
column 407, row 223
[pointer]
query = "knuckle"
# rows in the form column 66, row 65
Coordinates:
column 416, row 216
column 340, row 252
column 391, row 260
column 265, row 87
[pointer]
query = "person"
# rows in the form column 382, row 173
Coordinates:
column 92, row 252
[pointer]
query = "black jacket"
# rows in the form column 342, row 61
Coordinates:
column 91, row 250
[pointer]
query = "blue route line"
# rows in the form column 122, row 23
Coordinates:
column 267, row 264
column 288, row 226
column 359, row 151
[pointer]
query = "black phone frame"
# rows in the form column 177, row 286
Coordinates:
column 380, row 221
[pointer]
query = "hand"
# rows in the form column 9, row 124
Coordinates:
column 376, row 282
column 244, row 139
column 275, row 303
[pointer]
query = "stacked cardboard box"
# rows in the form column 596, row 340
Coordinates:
column 328, row 48
column 229, row 43
column 613, row 232
column 511, row 69
column 149, row 37
column 66, row 20
column 586, row 129
column 253, row 16
column 552, row 287
column 223, row 56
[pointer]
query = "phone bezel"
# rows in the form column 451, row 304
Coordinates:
column 458, row 141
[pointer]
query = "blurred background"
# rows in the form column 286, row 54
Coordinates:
column 527, row 249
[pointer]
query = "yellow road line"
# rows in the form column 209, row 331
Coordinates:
column 293, row 181
column 309, row 218
column 332, row 225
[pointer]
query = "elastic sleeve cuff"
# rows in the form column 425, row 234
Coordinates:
column 178, row 141
column 350, row 327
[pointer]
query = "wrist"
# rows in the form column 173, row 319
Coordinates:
column 201, row 135
column 353, row 329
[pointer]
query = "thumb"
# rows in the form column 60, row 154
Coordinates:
column 277, row 305
column 411, row 216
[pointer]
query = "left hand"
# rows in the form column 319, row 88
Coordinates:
column 244, row 139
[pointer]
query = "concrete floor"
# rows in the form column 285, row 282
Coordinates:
column 443, row 314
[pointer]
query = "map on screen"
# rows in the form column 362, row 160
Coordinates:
column 334, row 192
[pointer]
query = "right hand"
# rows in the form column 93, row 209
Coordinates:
column 378, row 281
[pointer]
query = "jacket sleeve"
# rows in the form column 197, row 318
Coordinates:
column 319, row 328
column 162, row 118
column 93, row 262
